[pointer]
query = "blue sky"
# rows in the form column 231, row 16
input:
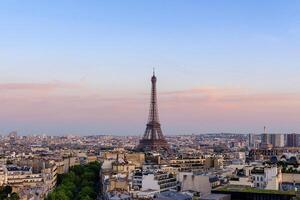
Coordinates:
column 110, row 47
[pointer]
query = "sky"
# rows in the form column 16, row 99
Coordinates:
column 84, row 67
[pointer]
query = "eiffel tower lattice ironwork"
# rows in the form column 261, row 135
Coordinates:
column 153, row 138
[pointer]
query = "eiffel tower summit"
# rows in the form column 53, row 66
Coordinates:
column 153, row 139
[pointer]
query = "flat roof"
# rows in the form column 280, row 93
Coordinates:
column 239, row 188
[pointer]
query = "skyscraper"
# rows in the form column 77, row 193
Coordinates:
column 265, row 140
column 277, row 140
column 153, row 138
column 292, row 140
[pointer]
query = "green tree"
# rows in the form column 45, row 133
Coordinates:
column 14, row 196
column 88, row 191
column 86, row 198
column 81, row 183
column 61, row 195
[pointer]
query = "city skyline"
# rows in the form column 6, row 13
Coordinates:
column 85, row 68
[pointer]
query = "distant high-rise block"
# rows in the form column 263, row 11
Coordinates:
column 250, row 140
column 265, row 140
column 277, row 140
column 292, row 140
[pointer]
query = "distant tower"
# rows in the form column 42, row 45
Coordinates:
column 153, row 138
column 265, row 140
column 265, row 137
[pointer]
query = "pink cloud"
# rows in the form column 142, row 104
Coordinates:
column 61, row 102
column 230, row 95
column 37, row 86
column 229, row 106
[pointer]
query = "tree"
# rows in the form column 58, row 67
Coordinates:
column 7, row 190
column 14, row 196
column 86, row 198
column 79, row 184
column 61, row 195
column 87, row 191
column 6, row 193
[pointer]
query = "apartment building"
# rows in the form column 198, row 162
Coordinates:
column 153, row 181
column 266, row 177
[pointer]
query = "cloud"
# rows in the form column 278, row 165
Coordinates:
column 37, row 86
column 62, row 103
column 231, row 95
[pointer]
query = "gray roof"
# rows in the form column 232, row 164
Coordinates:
column 170, row 195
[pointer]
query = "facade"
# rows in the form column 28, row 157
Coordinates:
column 215, row 162
column 188, row 164
column 115, row 175
column 238, row 193
column 277, row 140
column 290, row 181
column 292, row 140
column 266, row 177
column 251, row 141
column 22, row 178
column 153, row 181
column 194, row 182
column 265, row 140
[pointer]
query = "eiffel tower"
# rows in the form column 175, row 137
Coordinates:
column 153, row 139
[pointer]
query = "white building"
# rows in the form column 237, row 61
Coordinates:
column 266, row 177
column 24, row 181
column 2, row 175
column 195, row 183
column 153, row 181
column 277, row 140
column 22, row 176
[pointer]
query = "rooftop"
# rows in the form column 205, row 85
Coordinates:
column 171, row 195
column 16, row 168
column 235, row 188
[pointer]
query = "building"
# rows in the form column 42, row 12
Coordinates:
column 292, row 140
column 195, row 182
column 248, row 193
column 265, row 140
column 266, row 177
column 115, row 175
column 188, row 163
column 118, row 196
column 216, row 197
column 154, row 181
column 277, row 140
column 153, row 138
column 2, row 175
column 171, row 195
column 215, row 162
column 251, row 143
column 22, row 176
